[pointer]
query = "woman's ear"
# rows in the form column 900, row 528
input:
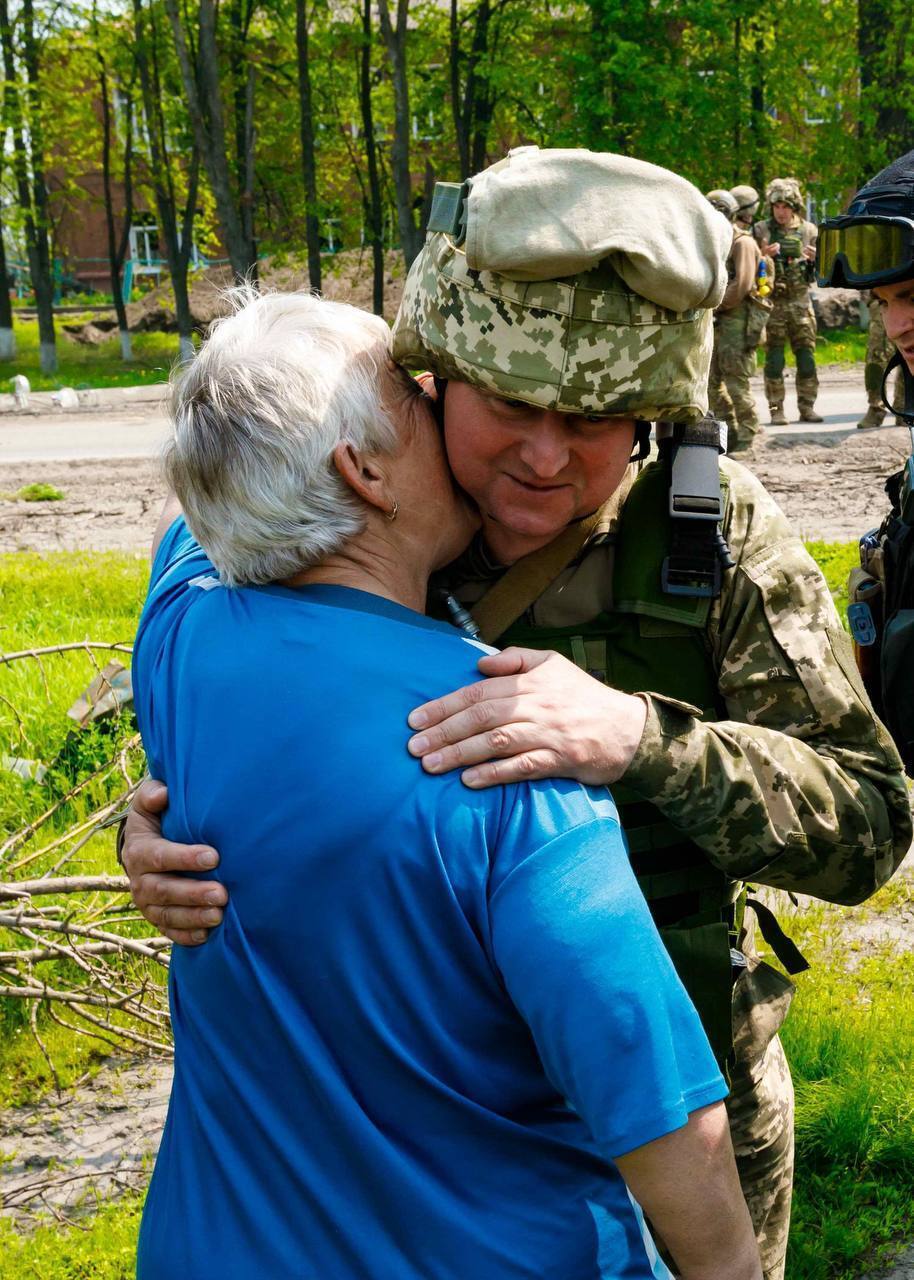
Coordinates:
column 364, row 475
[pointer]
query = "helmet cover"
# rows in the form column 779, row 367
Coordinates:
column 581, row 341
column 785, row 191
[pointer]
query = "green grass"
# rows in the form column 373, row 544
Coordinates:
column 81, row 365
column 48, row 600
column 848, row 1037
column 849, row 1041
column 101, row 1247
column 834, row 346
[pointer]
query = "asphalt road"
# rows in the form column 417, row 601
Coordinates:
column 133, row 424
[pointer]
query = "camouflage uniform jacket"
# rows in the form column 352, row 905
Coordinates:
column 800, row 787
column 792, row 276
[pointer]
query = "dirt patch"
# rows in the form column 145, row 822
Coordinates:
column 110, row 505
column 830, row 485
column 346, row 277
column 63, row 1154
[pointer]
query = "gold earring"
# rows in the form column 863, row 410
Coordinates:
column 392, row 514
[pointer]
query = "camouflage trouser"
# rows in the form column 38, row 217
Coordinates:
column 792, row 319
column 732, row 365
column 760, row 1108
column 879, row 351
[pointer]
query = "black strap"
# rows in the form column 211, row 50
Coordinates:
column 787, row 951
column 697, row 549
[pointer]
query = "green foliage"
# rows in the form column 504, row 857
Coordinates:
column 84, row 365
column 100, row 1248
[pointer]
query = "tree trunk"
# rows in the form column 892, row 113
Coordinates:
column 395, row 42
column 374, row 207
column 31, row 193
column 308, row 159
column 200, row 78
column 757, row 105
column 885, row 128
column 117, row 251
column 7, row 336
column 177, row 245
column 461, row 131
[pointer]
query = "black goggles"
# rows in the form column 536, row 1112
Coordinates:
column 864, row 252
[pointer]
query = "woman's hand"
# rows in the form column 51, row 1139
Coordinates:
column 536, row 716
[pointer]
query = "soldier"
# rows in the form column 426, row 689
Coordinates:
column 562, row 295
column 747, row 205
column 739, row 322
column 879, row 351
column 790, row 242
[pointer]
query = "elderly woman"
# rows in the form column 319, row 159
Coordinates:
column 463, row 1028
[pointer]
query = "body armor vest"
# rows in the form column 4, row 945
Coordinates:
column 654, row 642
column 792, row 274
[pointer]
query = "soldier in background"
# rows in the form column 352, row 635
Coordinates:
column 790, row 242
column 879, row 351
column 746, row 198
column 739, row 323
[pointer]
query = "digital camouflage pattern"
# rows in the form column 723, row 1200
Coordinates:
column 760, row 1107
column 879, row 351
column 737, row 331
column 802, row 788
column 729, row 390
column 792, row 318
column 586, row 344
column 785, row 191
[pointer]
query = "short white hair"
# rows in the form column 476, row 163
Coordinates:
column 257, row 414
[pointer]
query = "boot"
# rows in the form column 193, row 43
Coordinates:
column 807, row 390
column 774, row 394
column 872, row 418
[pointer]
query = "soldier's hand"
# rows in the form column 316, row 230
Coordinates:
column 184, row 910
column 809, row 252
column 537, row 716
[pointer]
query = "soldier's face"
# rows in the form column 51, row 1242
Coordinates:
column 783, row 214
column 531, row 471
column 897, row 303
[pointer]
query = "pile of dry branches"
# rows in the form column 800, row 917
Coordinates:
column 71, row 942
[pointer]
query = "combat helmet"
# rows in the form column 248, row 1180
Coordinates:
column 724, row 202
column 570, row 280
column 873, row 242
column 746, row 198
column 872, row 245
column 785, row 191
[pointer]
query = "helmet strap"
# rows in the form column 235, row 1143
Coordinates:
column 907, row 412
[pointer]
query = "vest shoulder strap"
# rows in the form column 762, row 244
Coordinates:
column 642, row 545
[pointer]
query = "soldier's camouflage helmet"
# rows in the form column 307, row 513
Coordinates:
column 723, row 202
column 570, row 280
column 746, row 198
column 785, row 191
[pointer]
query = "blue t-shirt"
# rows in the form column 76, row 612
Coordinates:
column 432, row 1015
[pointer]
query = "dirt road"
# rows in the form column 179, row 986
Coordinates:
column 828, row 479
